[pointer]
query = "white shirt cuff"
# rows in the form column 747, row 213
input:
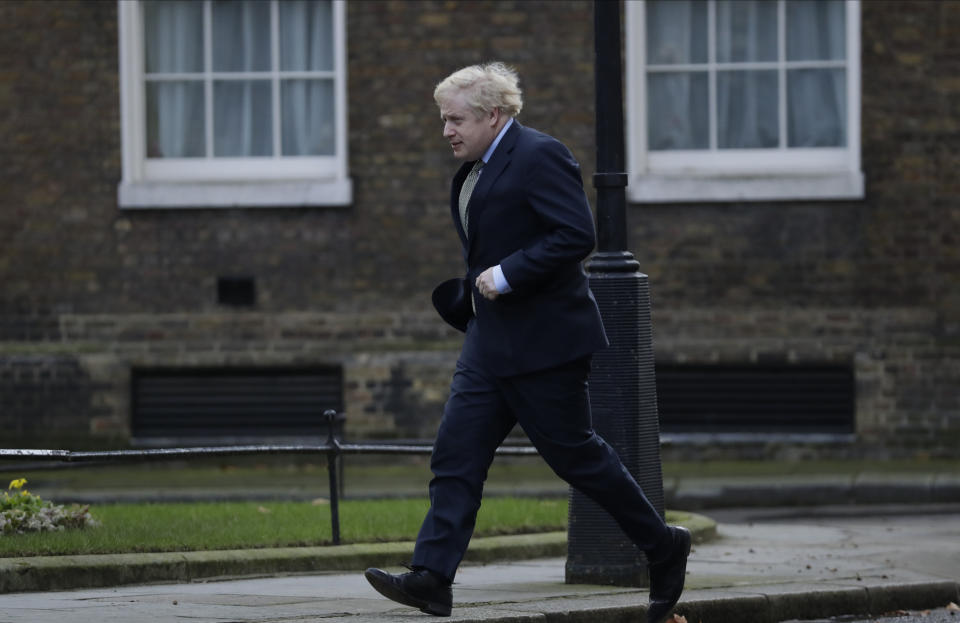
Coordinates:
column 500, row 281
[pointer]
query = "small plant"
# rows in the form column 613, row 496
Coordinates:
column 22, row 512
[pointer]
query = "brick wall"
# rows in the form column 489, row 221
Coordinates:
column 38, row 393
column 383, row 390
column 872, row 283
column 88, row 291
column 906, row 397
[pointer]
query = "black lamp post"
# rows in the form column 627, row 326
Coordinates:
column 622, row 383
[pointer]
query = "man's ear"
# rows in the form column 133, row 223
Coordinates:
column 494, row 118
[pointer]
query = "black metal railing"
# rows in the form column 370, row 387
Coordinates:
column 333, row 448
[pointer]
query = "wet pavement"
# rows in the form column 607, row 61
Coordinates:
column 763, row 567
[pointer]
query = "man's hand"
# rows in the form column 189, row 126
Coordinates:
column 486, row 285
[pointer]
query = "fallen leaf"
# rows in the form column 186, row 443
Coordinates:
column 264, row 510
column 320, row 502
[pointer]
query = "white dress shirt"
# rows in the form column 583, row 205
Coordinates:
column 499, row 281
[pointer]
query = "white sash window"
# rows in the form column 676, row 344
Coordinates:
column 233, row 103
column 743, row 100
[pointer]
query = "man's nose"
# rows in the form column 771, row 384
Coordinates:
column 447, row 130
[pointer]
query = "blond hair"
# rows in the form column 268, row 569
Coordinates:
column 487, row 86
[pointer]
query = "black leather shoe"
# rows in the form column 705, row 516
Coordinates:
column 420, row 589
column 667, row 577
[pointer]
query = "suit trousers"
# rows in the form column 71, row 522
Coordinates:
column 553, row 408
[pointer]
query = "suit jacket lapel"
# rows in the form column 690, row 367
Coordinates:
column 488, row 177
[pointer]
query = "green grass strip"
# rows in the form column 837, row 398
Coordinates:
column 240, row 525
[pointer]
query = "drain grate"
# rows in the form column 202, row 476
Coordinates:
column 755, row 399
column 233, row 404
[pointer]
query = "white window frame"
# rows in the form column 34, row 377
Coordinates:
column 223, row 182
column 779, row 174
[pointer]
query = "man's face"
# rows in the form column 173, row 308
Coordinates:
column 468, row 136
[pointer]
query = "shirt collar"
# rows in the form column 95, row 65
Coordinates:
column 496, row 141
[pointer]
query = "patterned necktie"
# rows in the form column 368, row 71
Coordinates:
column 466, row 190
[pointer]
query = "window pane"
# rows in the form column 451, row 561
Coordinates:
column 173, row 33
column 816, row 31
column 241, row 36
column 747, row 109
column 816, row 108
column 308, row 118
column 677, row 115
column 306, row 36
column 676, row 31
column 746, row 31
column 242, row 118
column 175, row 127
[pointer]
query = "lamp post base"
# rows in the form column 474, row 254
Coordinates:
column 624, row 408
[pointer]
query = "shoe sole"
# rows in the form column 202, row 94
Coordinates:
column 390, row 591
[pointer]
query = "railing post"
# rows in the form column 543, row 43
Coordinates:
column 332, row 455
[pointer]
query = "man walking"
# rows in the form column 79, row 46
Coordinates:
column 531, row 327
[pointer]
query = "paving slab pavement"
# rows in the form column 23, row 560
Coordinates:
column 755, row 572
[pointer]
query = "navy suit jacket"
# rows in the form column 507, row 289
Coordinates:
column 528, row 213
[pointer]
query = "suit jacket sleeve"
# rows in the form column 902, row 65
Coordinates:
column 554, row 191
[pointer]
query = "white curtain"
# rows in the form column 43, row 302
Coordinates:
column 242, row 108
column 747, row 100
column 243, row 115
column 173, row 40
column 306, row 44
column 677, row 107
column 816, row 98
